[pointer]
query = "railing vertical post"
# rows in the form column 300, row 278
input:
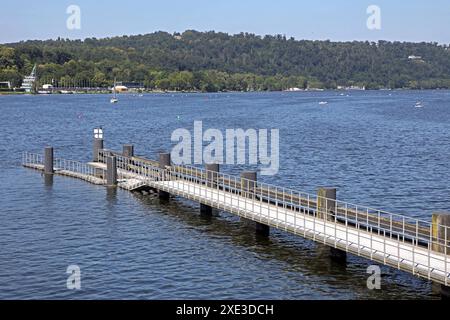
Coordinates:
column 48, row 160
column 446, row 259
column 128, row 150
column 346, row 226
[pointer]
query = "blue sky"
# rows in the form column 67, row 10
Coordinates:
column 340, row 20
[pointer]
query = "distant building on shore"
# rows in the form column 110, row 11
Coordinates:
column 294, row 90
column 120, row 88
column 351, row 88
column 413, row 57
column 133, row 85
column 5, row 85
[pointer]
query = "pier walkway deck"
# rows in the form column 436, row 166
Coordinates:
column 412, row 245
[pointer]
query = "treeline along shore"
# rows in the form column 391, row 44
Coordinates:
column 212, row 61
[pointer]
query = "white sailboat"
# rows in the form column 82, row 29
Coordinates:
column 114, row 99
column 29, row 82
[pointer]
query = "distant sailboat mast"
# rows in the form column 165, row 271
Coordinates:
column 29, row 82
column 114, row 98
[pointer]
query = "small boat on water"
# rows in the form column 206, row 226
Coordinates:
column 114, row 99
column 419, row 104
column 322, row 103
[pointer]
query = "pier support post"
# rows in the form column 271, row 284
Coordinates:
column 441, row 241
column 441, row 232
column 164, row 161
column 128, row 150
column 326, row 209
column 445, row 292
column 212, row 171
column 111, row 171
column 248, row 183
column 48, row 160
column 326, row 203
column 248, row 186
column 98, row 145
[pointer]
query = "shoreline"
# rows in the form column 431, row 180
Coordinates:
column 12, row 93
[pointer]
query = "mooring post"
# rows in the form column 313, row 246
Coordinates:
column 326, row 209
column 326, row 203
column 164, row 162
column 98, row 143
column 128, row 150
column 248, row 182
column 445, row 292
column 441, row 232
column 48, row 160
column 111, row 171
column 212, row 174
column 441, row 240
column 248, row 189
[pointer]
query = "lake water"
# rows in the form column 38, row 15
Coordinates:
column 375, row 147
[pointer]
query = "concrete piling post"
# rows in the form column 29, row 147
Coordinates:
column 212, row 171
column 98, row 145
column 248, row 189
column 128, row 150
column 326, row 209
column 164, row 161
column 48, row 160
column 441, row 240
column 445, row 292
column 248, row 183
column 212, row 175
column 441, row 232
column 326, row 203
column 111, row 171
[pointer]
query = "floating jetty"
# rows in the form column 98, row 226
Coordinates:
column 418, row 247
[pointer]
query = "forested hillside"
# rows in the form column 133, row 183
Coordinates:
column 211, row 61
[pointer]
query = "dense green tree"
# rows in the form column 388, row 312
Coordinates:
column 215, row 61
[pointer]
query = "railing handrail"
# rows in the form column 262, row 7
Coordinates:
column 311, row 196
column 420, row 229
column 202, row 174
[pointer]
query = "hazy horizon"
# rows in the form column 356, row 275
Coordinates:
column 216, row 31
column 337, row 21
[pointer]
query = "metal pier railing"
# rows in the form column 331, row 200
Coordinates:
column 399, row 241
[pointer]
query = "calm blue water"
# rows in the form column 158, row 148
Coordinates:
column 375, row 147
